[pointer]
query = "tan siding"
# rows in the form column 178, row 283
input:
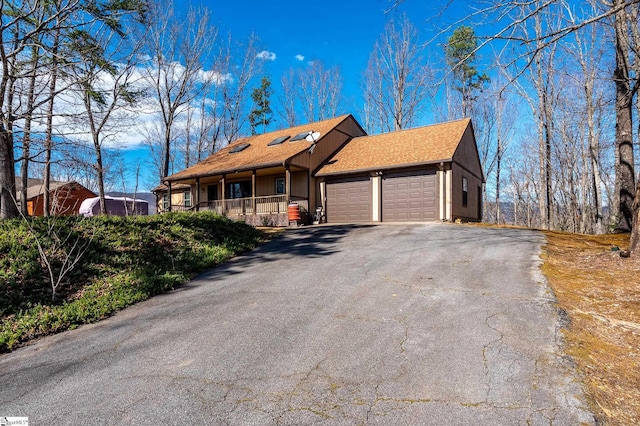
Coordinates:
column 299, row 184
column 177, row 198
column 459, row 211
column 266, row 185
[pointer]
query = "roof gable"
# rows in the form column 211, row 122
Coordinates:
column 260, row 152
column 427, row 144
column 39, row 189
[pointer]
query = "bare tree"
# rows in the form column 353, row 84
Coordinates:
column 21, row 24
column 105, row 83
column 313, row 92
column 40, row 27
column 237, row 66
column 289, row 97
column 626, row 88
column 587, row 53
column 178, row 50
column 396, row 81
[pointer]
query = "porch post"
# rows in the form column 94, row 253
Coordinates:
column 197, row 194
column 449, row 193
column 223, row 189
column 253, row 191
column 323, row 200
column 287, row 184
column 169, row 195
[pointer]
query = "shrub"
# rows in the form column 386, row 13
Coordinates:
column 127, row 260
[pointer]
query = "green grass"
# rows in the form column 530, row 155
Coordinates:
column 126, row 260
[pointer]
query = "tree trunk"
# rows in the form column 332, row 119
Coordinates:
column 48, row 142
column 26, row 138
column 634, row 248
column 625, row 175
column 8, row 207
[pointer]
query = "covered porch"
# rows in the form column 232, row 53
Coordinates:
column 259, row 196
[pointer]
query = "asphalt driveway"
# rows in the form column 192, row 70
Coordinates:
column 387, row 324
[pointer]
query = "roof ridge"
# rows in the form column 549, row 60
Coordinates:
column 248, row 139
column 416, row 128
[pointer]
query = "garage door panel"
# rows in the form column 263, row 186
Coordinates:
column 409, row 196
column 349, row 200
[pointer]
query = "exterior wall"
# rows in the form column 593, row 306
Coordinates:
column 177, row 199
column 65, row 201
column 466, row 163
column 266, row 185
column 299, row 184
column 472, row 211
column 467, row 154
column 328, row 145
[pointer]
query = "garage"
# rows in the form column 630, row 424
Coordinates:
column 349, row 200
column 409, row 196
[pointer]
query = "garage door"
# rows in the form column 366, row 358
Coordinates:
column 409, row 196
column 349, row 200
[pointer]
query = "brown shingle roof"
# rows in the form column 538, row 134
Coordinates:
column 175, row 187
column 258, row 154
column 38, row 189
column 420, row 145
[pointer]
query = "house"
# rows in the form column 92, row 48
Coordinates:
column 255, row 178
column 427, row 173
column 181, row 199
column 65, row 197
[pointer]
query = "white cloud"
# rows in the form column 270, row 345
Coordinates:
column 299, row 58
column 266, row 55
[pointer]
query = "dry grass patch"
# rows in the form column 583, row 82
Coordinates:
column 601, row 293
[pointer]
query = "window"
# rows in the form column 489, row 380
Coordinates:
column 186, row 196
column 278, row 141
column 165, row 202
column 238, row 190
column 465, row 192
column 300, row 137
column 239, row 148
column 280, row 189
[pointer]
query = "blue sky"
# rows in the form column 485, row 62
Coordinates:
column 337, row 33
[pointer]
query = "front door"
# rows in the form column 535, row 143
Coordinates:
column 212, row 192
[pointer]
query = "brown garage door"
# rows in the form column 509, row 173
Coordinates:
column 349, row 200
column 409, row 196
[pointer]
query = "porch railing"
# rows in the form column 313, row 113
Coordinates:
column 272, row 204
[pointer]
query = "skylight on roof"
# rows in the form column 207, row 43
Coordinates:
column 278, row 141
column 300, row 137
column 239, row 148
